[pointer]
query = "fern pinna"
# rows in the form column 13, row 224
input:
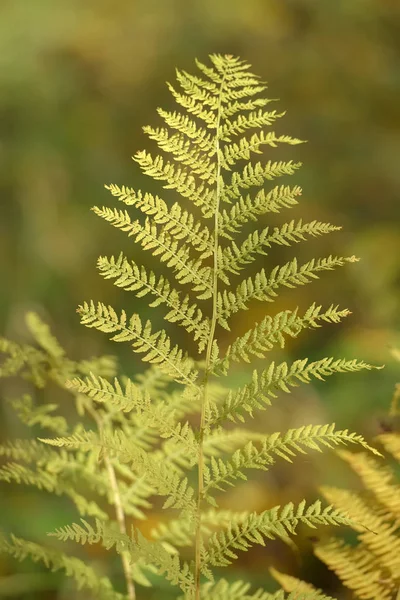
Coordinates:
column 371, row 567
column 143, row 443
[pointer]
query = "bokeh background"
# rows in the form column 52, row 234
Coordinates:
column 78, row 79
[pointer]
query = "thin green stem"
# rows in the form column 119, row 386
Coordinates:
column 200, row 486
column 119, row 509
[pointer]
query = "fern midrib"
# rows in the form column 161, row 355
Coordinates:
column 213, row 324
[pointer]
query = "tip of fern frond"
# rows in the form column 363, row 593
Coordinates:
column 353, row 258
column 45, row 441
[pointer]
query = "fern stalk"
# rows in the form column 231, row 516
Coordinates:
column 200, row 489
column 119, row 510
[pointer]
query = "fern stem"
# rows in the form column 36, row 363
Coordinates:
column 200, row 487
column 119, row 510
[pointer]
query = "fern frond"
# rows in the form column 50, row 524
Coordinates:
column 248, row 209
column 19, row 356
column 272, row 331
column 126, row 397
column 144, row 443
column 178, row 533
column 178, row 222
column 188, row 127
column 377, row 479
column 27, row 451
column 242, row 149
column 200, row 162
column 179, row 179
column 159, row 475
column 239, row 590
column 255, row 176
column 205, row 112
column 43, row 336
column 292, row 584
column 281, row 377
column 391, row 443
column 156, row 347
column 358, row 569
column 380, row 537
column 295, row 441
column 256, row 119
column 39, row 415
column 137, row 546
column 45, row 480
column 130, row 277
column 225, row 472
column 84, row 576
column 233, row 258
column 158, row 415
column 164, row 245
column 264, row 287
column 275, row 523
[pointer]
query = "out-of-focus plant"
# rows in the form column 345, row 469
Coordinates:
column 371, row 568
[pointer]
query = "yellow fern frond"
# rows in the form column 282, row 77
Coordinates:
column 248, row 209
column 376, row 478
column 242, row 149
column 391, row 443
column 281, row 377
column 380, row 537
column 178, row 222
column 156, row 347
column 255, row 176
column 358, row 569
column 263, row 287
column 233, row 258
column 85, row 576
column 292, row 584
column 277, row 522
column 272, row 331
column 130, row 277
column 137, row 545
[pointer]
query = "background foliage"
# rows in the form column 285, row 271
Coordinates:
column 77, row 82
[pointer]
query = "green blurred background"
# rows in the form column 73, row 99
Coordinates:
column 78, row 79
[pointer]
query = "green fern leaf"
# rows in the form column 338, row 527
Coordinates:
column 233, row 258
column 281, row 377
column 137, row 546
column 84, row 576
column 159, row 475
column 272, row 330
column 248, row 209
column 295, row 441
column 264, row 288
column 272, row 524
column 239, row 590
column 156, row 347
column 130, row 277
